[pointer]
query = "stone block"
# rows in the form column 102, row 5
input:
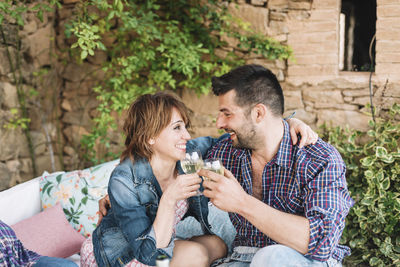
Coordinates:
column 320, row 37
column 66, row 105
column 323, row 96
column 300, row 5
column 326, row 4
column 204, row 104
column 77, row 117
column 357, row 92
column 310, row 59
column 46, row 163
column 385, row 23
column 387, row 2
column 299, row 15
column 39, row 142
column 277, row 15
column 308, row 117
column 9, row 95
column 387, row 57
column 362, row 100
column 39, row 44
column 5, row 177
column 322, row 15
column 387, row 68
column 74, row 133
column 312, row 26
column 313, row 48
column 70, row 151
column 258, row 2
column 388, row 34
column 353, row 119
column 392, row 90
column 313, row 70
column 13, row 144
column 5, row 64
column 79, row 72
column 99, row 57
column 388, row 11
column 293, row 99
column 277, row 28
column 348, row 99
column 278, row 4
column 388, row 46
column 64, row 12
column 329, row 105
column 256, row 16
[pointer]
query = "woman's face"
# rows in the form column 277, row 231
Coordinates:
column 170, row 144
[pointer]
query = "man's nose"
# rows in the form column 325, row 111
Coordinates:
column 220, row 123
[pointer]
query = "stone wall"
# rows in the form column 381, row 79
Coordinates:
column 312, row 82
column 33, row 62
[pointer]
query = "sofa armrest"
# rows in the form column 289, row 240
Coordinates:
column 20, row 202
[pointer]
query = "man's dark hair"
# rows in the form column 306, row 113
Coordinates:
column 253, row 84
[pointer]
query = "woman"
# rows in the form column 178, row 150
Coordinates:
column 149, row 194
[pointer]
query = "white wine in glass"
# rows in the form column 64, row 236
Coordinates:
column 192, row 162
column 214, row 165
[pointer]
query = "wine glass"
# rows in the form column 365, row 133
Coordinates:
column 214, row 165
column 192, row 162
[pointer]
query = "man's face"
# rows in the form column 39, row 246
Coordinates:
column 236, row 121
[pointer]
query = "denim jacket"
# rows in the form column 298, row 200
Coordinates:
column 127, row 232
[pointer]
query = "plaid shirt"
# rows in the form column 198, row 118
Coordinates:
column 309, row 182
column 12, row 252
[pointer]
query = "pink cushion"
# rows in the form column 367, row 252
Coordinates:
column 49, row 233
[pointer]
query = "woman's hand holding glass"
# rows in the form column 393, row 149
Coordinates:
column 184, row 186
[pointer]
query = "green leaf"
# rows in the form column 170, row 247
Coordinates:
column 386, row 183
column 381, row 152
column 84, row 200
column 58, row 178
column 84, row 190
column 84, row 54
column 368, row 161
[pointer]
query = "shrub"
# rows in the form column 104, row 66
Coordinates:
column 373, row 176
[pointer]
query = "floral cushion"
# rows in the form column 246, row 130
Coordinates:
column 78, row 192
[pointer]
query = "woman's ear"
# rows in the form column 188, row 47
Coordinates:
column 259, row 112
column 152, row 141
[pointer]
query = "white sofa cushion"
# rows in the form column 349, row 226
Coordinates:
column 20, row 202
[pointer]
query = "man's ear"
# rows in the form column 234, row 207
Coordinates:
column 259, row 112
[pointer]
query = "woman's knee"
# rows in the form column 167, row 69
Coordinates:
column 190, row 253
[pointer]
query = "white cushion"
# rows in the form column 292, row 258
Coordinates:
column 20, row 202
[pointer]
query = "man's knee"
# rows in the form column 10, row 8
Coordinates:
column 277, row 255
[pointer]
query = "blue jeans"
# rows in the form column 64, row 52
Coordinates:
column 45, row 261
column 273, row 255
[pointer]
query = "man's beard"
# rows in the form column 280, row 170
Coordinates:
column 246, row 139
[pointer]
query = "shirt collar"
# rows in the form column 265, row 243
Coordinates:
column 283, row 156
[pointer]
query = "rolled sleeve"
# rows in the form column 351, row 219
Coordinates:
column 133, row 220
column 327, row 204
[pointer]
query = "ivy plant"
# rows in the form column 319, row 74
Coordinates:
column 373, row 174
column 159, row 45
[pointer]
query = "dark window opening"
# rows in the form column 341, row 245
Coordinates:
column 357, row 30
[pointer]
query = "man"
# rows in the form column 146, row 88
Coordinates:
column 288, row 204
